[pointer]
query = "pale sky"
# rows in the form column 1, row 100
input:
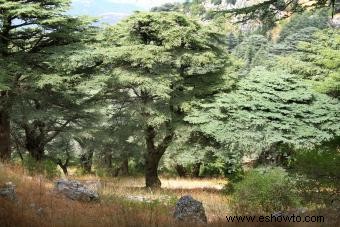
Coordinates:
column 112, row 11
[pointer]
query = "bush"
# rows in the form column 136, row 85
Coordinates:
column 264, row 190
column 326, row 161
column 46, row 167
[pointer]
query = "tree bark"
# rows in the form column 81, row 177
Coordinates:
column 153, row 156
column 5, row 138
column 151, row 160
column 64, row 168
column 151, row 170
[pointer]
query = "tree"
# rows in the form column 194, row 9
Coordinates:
column 317, row 60
column 157, row 63
column 269, row 109
column 272, row 10
column 29, row 32
column 316, row 18
column 167, row 7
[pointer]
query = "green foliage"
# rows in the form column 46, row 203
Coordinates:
column 159, row 62
column 167, row 7
column 317, row 19
column 269, row 108
column 265, row 190
column 46, row 167
column 42, row 98
column 317, row 163
column 253, row 49
column 216, row 2
column 318, row 61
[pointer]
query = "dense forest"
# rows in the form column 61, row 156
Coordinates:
column 243, row 92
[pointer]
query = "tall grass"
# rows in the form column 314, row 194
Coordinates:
column 39, row 206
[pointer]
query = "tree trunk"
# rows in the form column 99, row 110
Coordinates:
column 5, row 136
column 196, row 169
column 124, row 168
column 86, row 161
column 107, row 164
column 36, row 153
column 64, row 168
column 181, row 171
column 151, row 170
column 153, row 156
column 151, row 160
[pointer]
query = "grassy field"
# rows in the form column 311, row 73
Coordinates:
column 124, row 202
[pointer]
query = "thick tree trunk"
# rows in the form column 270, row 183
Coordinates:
column 152, row 159
column 153, row 156
column 5, row 136
column 151, row 170
column 181, row 171
column 5, row 127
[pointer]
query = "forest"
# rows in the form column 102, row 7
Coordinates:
column 186, row 114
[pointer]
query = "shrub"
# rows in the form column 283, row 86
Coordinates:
column 46, row 167
column 326, row 161
column 264, row 190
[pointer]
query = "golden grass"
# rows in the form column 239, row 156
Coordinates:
column 114, row 209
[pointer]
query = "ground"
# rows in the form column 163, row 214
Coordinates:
column 124, row 202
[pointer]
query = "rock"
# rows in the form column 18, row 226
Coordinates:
column 138, row 198
column 189, row 210
column 301, row 211
column 93, row 185
column 8, row 191
column 278, row 214
column 335, row 21
column 76, row 191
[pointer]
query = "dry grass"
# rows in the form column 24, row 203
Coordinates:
column 115, row 209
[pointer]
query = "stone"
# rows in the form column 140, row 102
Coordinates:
column 138, row 198
column 76, row 191
column 335, row 21
column 189, row 210
column 8, row 191
column 301, row 211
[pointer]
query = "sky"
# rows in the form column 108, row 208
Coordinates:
column 111, row 11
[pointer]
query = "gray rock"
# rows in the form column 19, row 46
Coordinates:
column 76, row 191
column 138, row 198
column 335, row 21
column 8, row 191
column 278, row 214
column 189, row 210
column 301, row 211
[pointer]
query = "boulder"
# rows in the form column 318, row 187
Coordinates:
column 189, row 210
column 76, row 191
column 8, row 191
